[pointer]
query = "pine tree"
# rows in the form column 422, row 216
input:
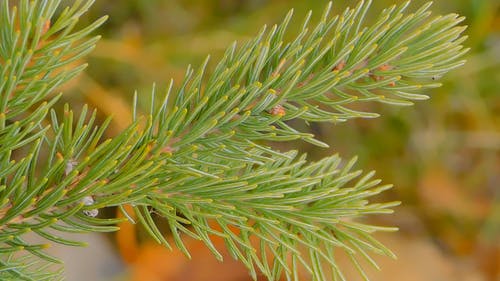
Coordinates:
column 199, row 158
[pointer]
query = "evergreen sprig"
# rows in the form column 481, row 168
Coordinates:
column 197, row 159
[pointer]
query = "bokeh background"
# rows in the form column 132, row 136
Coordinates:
column 442, row 155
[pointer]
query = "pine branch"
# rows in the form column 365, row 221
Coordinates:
column 26, row 268
column 197, row 158
column 38, row 53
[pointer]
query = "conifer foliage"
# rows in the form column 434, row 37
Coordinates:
column 198, row 159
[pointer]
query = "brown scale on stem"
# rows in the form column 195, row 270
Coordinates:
column 277, row 110
column 383, row 67
column 339, row 66
column 46, row 27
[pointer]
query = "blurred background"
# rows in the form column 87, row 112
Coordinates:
column 442, row 155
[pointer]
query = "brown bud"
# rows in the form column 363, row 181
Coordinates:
column 278, row 110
